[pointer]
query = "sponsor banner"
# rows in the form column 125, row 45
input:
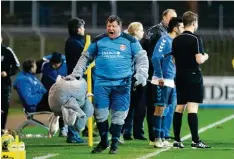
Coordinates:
column 229, row 106
column 219, row 90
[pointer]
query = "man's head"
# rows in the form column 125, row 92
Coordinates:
column 29, row 66
column 76, row 26
column 56, row 60
column 190, row 19
column 167, row 15
column 113, row 26
column 175, row 25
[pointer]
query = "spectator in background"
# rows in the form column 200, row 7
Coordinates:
column 31, row 91
column 52, row 66
column 9, row 67
column 73, row 49
column 137, row 110
column 148, row 43
column 75, row 43
column 50, row 70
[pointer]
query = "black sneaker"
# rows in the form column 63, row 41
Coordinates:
column 199, row 144
column 99, row 148
column 140, row 137
column 113, row 150
column 178, row 145
column 127, row 137
column 169, row 138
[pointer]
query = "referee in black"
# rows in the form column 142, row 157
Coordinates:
column 188, row 52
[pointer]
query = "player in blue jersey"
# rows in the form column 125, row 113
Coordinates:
column 115, row 54
column 164, row 71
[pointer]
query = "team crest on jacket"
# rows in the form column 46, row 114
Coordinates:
column 122, row 47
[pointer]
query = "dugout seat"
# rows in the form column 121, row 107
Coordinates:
column 30, row 120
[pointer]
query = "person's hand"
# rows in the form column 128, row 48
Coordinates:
column 206, row 56
column 59, row 77
column 89, row 95
column 161, row 82
column 3, row 74
column 71, row 78
column 140, row 79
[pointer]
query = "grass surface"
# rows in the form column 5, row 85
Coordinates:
column 221, row 138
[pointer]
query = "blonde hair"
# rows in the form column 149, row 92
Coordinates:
column 133, row 27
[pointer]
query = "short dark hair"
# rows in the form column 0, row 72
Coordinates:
column 113, row 18
column 73, row 24
column 189, row 17
column 28, row 65
column 167, row 11
column 56, row 58
column 174, row 22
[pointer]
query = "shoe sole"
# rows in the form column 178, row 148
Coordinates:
column 168, row 146
column 74, row 142
column 98, row 152
column 177, row 147
column 112, row 153
column 158, row 147
column 200, row 147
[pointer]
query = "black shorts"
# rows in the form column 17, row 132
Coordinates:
column 189, row 87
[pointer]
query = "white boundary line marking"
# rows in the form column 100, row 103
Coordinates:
column 44, row 157
column 203, row 129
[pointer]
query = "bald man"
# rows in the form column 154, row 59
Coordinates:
column 152, row 35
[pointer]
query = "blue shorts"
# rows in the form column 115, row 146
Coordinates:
column 162, row 95
column 165, row 111
column 172, row 103
column 112, row 97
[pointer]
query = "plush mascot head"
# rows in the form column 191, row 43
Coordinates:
column 68, row 98
column 63, row 91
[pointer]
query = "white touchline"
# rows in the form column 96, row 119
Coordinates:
column 45, row 157
column 189, row 135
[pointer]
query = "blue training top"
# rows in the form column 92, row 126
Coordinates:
column 163, row 67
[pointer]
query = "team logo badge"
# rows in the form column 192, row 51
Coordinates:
column 122, row 47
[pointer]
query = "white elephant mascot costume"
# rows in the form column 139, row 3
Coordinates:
column 68, row 98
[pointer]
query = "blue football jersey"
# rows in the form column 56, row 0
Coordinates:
column 163, row 67
column 114, row 58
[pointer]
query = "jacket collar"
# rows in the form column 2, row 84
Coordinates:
column 163, row 25
column 78, row 36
